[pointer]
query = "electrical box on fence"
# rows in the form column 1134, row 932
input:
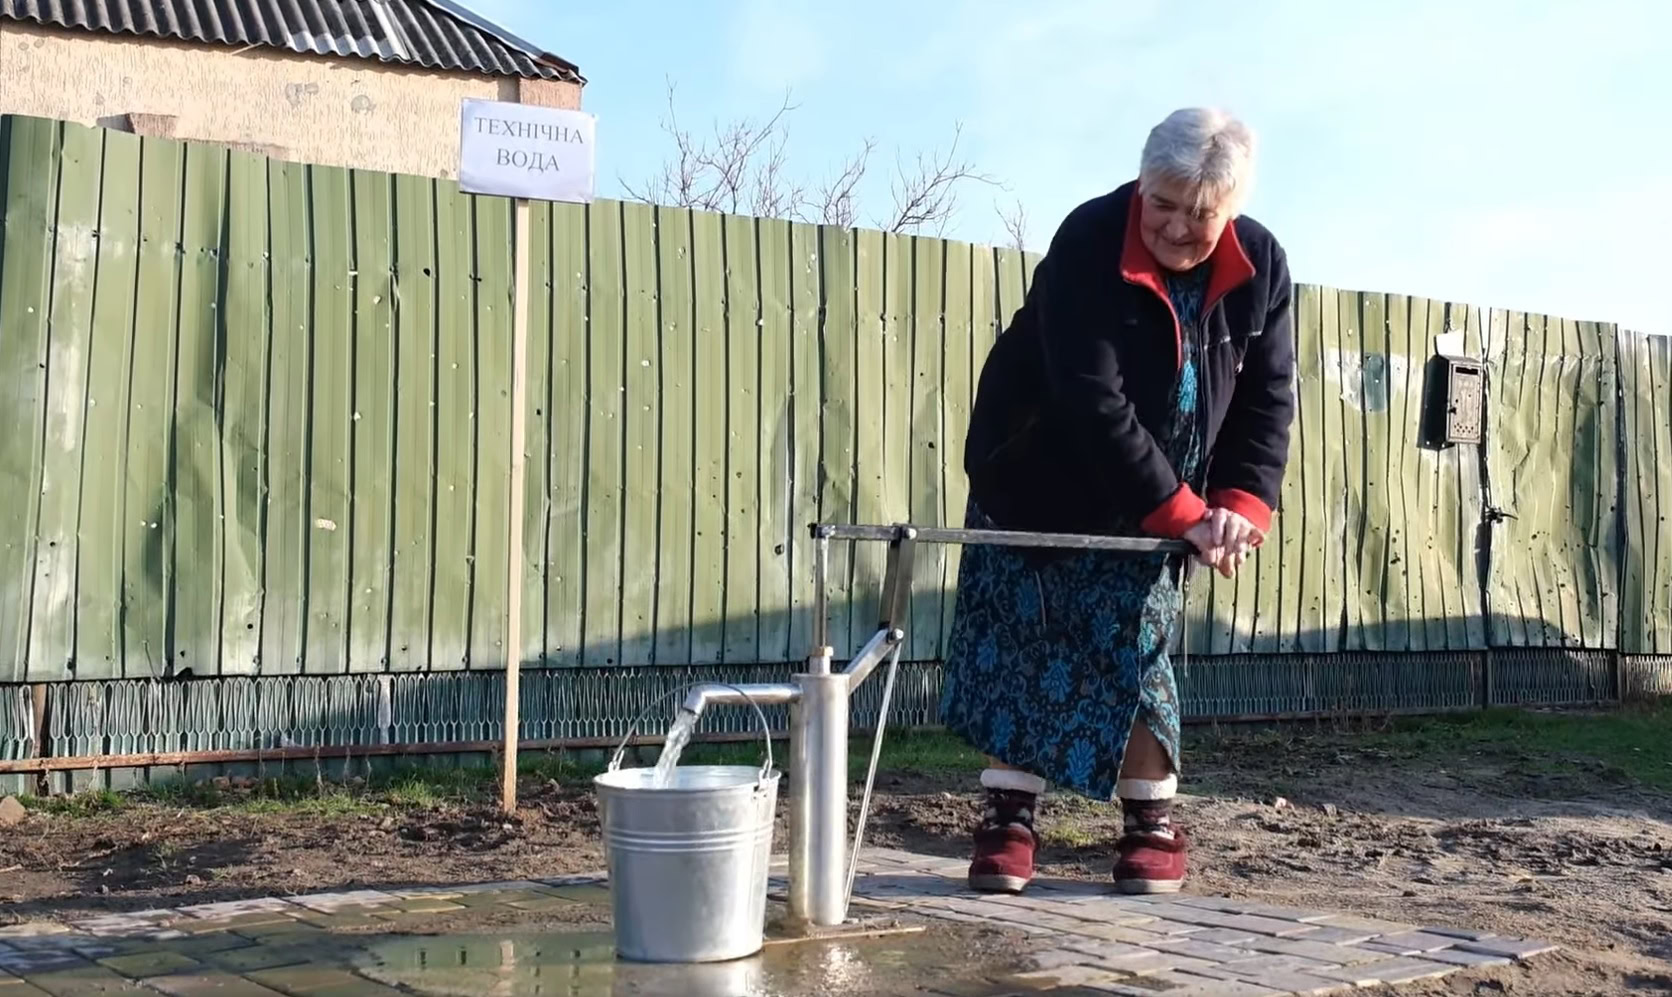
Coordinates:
column 1454, row 402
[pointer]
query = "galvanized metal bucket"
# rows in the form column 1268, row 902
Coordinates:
column 688, row 862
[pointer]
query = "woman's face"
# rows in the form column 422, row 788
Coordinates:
column 1176, row 232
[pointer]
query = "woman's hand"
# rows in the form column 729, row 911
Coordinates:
column 1223, row 540
column 1201, row 535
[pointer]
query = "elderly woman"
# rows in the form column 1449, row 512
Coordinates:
column 1142, row 388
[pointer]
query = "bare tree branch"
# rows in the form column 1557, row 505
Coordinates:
column 743, row 165
column 927, row 194
column 740, row 166
column 1015, row 225
column 677, row 181
column 835, row 201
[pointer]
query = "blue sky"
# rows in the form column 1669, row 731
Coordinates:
column 1509, row 153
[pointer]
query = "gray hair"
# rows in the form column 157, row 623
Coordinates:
column 1206, row 149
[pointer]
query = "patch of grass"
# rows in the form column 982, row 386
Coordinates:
column 1628, row 745
column 560, row 767
column 88, row 803
column 1625, row 746
column 919, row 751
column 182, row 793
column 1071, row 834
column 333, row 801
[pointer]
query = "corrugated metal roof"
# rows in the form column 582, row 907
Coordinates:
column 435, row 34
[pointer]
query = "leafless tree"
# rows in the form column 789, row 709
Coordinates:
column 1015, row 225
column 926, row 193
column 835, row 202
column 742, row 166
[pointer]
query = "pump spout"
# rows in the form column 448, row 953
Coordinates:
column 818, row 782
column 761, row 694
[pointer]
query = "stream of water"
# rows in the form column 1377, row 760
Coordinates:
column 679, row 735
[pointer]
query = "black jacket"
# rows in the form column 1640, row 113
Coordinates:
column 1062, row 436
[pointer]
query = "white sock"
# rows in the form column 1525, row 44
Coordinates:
column 1013, row 780
column 1157, row 794
column 1147, row 789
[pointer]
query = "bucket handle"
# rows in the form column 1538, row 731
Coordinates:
column 766, row 729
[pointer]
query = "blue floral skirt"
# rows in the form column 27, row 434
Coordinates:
column 1048, row 667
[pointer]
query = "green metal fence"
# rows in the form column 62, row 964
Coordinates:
column 259, row 424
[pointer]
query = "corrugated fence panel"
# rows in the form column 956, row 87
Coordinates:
column 1659, row 585
column 740, row 401
column 46, row 298
column 531, row 643
column 148, row 505
column 1401, row 410
column 414, row 288
column 1450, row 514
column 708, row 556
column 246, row 463
column 957, row 394
column 102, row 522
column 641, row 412
column 1646, row 393
column 776, row 496
column 838, row 415
column 264, row 414
column 494, row 272
column 371, row 424
column 1470, row 509
column 806, row 442
column 455, row 429
column 285, row 579
column 567, row 336
column 195, row 466
column 1315, row 591
column 869, row 400
column 677, row 359
column 1553, row 446
column 928, row 448
column 327, row 424
column 601, row 552
column 1374, row 532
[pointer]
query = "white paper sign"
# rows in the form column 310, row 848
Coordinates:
column 521, row 150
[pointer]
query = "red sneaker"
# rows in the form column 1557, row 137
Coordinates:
column 1151, row 862
column 1004, row 843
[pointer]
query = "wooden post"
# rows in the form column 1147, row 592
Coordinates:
column 39, row 732
column 514, row 560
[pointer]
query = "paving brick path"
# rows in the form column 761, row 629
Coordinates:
column 1183, row 945
column 1085, row 940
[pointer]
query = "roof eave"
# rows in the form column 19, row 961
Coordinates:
column 533, row 51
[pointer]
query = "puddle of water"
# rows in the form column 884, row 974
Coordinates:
column 583, row 964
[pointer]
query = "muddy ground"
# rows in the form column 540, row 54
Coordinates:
column 1484, row 841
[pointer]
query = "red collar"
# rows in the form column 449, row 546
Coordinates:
column 1231, row 266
